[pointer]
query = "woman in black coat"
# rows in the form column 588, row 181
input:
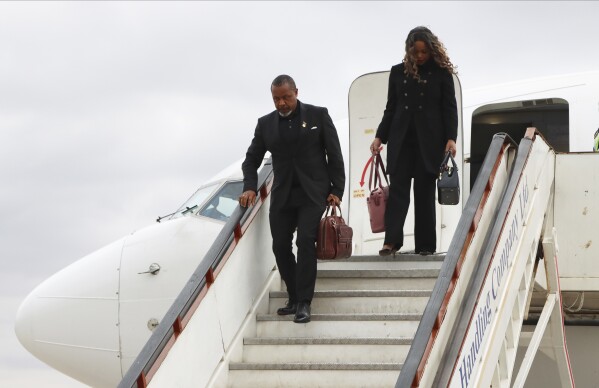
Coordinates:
column 419, row 126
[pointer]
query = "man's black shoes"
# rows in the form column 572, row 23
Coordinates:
column 425, row 251
column 290, row 308
column 302, row 314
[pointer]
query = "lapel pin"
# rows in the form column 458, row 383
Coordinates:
column 303, row 124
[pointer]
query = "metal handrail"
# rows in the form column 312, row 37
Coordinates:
column 175, row 319
column 434, row 313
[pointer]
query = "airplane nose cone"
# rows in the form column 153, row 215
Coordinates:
column 54, row 322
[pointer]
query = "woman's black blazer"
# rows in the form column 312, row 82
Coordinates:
column 430, row 103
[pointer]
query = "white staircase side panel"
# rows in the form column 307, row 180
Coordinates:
column 577, row 220
column 528, row 207
column 196, row 353
column 444, row 334
column 210, row 332
column 245, row 277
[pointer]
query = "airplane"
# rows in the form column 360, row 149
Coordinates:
column 94, row 309
column 92, row 319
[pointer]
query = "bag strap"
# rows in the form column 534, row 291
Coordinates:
column 333, row 210
column 445, row 165
column 377, row 164
column 372, row 168
column 381, row 166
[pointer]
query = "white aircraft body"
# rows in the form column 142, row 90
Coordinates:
column 91, row 319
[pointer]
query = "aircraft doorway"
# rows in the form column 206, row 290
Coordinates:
column 549, row 115
column 367, row 101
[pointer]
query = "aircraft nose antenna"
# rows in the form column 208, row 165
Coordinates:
column 154, row 268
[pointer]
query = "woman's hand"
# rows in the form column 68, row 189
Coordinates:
column 375, row 147
column 450, row 147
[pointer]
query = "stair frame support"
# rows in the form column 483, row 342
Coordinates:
column 549, row 332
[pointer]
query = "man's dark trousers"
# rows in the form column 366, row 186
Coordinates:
column 301, row 213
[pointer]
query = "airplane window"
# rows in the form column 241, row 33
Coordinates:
column 224, row 202
column 196, row 200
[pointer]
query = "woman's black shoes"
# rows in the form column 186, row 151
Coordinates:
column 386, row 251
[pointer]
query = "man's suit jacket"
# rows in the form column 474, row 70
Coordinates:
column 430, row 103
column 316, row 158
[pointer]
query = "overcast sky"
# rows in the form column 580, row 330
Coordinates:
column 113, row 113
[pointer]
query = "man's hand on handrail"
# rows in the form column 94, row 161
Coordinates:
column 247, row 198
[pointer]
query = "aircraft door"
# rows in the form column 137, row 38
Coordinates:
column 367, row 100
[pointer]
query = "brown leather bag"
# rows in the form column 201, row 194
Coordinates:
column 377, row 200
column 334, row 240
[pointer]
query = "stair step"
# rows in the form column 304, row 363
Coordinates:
column 326, row 350
column 327, row 341
column 313, row 366
column 400, row 256
column 343, row 317
column 339, row 325
column 376, row 275
column 360, row 301
column 378, row 270
column 379, row 273
column 302, row 378
column 389, row 263
column 394, row 267
column 369, row 283
column 360, row 293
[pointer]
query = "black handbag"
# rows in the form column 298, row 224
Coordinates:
column 448, row 185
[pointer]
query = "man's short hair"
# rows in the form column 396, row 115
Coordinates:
column 283, row 79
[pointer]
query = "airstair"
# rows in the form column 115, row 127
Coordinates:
column 409, row 321
column 365, row 313
column 472, row 326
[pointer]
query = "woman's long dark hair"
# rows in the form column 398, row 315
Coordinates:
column 437, row 50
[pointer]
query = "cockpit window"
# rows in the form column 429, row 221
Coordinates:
column 224, row 202
column 197, row 199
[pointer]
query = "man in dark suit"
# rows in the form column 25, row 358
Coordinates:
column 308, row 174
